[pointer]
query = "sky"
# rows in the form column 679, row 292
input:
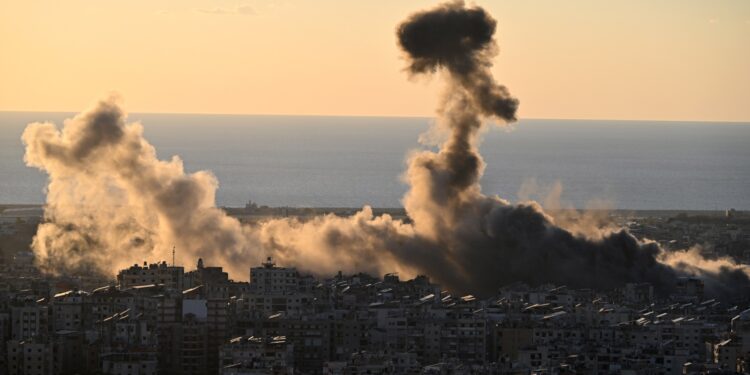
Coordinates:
column 579, row 59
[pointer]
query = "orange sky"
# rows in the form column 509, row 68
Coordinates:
column 634, row 59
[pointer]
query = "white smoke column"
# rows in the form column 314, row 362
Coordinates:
column 592, row 222
column 111, row 202
column 722, row 275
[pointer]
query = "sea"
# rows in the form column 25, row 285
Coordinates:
column 321, row 161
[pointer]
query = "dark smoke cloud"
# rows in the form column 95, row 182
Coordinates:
column 484, row 242
column 459, row 39
column 111, row 202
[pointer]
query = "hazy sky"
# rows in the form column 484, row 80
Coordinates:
column 634, row 59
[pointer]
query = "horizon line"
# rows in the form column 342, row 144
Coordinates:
column 383, row 116
column 4, row 206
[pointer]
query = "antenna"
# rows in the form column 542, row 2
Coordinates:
column 173, row 249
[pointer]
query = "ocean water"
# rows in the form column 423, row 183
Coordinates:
column 352, row 161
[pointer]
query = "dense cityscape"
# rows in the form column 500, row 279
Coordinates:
column 192, row 319
column 129, row 266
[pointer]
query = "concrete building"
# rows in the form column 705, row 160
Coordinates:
column 70, row 311
column 215, row 282
column 728, row 355
column 141, row 363
column 269, row 279
column 148, row 274
column 28, row 320
column 255, row 354
column 30, row 357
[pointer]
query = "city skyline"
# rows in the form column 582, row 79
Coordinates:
column 131, row 266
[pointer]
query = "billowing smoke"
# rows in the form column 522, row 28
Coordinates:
column 460, row 40
column 111, row 202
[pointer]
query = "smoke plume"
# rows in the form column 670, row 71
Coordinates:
column 111, row 202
